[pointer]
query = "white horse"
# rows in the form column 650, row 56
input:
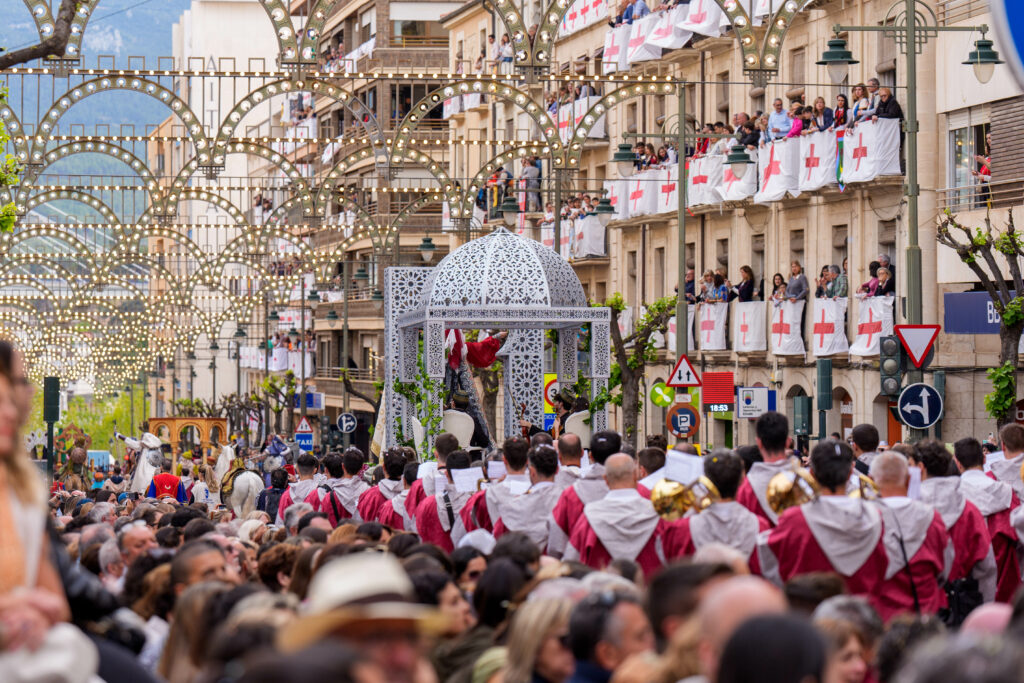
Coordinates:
column 245, row 489
column 147, row 460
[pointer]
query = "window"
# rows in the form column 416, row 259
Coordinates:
column 631, row 117
column 659, row 272
column 967, row 130
column 886, row 67
column 367, row 25
column 796, row 246
column 886, row 236
column 407, row 33
column 631, row 277
column 757, row 259
column 840, row 249
column 722, row 254
column 722, row 97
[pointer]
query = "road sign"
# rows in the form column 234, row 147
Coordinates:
column 1008, row 17
column 719, row 391
column 917, row 340
column 662, row 396
column 347, row 423
column 314, row 400
column 683, row 374
column 919, row 406
column 551, row 389
column 682, row 421
column 304, row 435
column 753, row 402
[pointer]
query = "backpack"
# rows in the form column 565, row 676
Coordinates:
column 327, row 503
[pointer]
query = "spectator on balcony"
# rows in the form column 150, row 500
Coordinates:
column 552, row 106
column 885, row 262
column 531, row 33
column 873, row 94
column 704, row 144
column 886, row 285
column 779, row 121
column 796, row 120
column 460, row 65
column 822, row 117
column 531, row 174
column 762, row 130
column 796, row 288
column 984, row 172
column 823, row 285
column 749, row 136
column 871, row 286
column 722, row 145
column 860, row 104
column 840, row 283
column 506, row 50
column 778, row 287
column 738, row 120
column 746, row 290
column 839, row 114
column 663, row 157
column 888, row 107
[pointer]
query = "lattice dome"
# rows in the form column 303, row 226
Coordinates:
column 503, row 270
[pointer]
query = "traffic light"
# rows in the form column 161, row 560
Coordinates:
column 890, row 365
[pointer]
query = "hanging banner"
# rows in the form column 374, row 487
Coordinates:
column 871, row 149
column 471, row 101
column 786, row 335
column 640, row 50
column 828, row 332
column 777, row 167
column 666, row 34
column 705, row 174
column 712, row 326
column 453, row 105
column 642, row 199
column 733, row 189
column 588, row 237
column 704, row 17
column 748, row 327
column 874, row 321
column 817, row 160
column 616, row 50
column 581, row 108
column 616, row 195
column 672, row 331
column 668, row 189
column 565, row 122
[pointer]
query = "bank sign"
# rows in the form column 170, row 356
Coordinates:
column 969, row 313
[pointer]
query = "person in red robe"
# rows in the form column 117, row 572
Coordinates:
column 485, row 506
column 772, row 431
column 996, row 501
column 570, row 455
column 1011, row 437
column 972, row 545
column 530, row 513
column 437, row 517
column 373, row 500
column 920, row 552
column 303, row 489
column 650, row 463
column 832, row 533
column 622, row 525
column 338, row 496
column 424, row 486
column 725, row 521
column 393, row 513
column 166, row 485
column 590, row 487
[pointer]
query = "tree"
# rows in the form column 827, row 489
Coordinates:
column 99, row 418
column 52, row 45
column 631, row 354
column 980, row 249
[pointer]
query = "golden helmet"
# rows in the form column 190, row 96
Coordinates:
column 866, row 488
column 672, row 500
column 791, row 487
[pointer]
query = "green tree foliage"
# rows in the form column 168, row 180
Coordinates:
column 99, row 418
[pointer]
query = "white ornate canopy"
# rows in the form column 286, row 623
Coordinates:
column 503, row 281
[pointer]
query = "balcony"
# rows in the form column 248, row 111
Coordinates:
column 329, row 381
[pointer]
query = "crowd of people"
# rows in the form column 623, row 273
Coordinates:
column 562, row 565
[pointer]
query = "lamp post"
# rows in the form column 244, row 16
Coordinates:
column 911, row 29
column 214, row 348
column 271, row 317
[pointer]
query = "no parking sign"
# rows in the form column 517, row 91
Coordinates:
column 682, row 421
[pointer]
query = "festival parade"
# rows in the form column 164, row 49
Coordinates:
column 497, row 341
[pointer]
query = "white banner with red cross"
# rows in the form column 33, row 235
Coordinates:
column 588, row 237
column 704, row 17
column 762, row 9
column 785, row 333
column 668, row 189
column 828, row 328
column 733, row 189
column 817, row 161
column 565, row 123
column 571, row 21
column 580, row 109
column 521, row 198
column 705, row 174
column 642, row 197
column 672, row 331
column 616, row 50
column 581, row 14
column 874, row 321
column 748, row 327
column 640, row 50
column 667, row 34
column 452, row 105
column 617, row 196
column 777, row 164
column 471, row 101
column 567, row 230
column 871, row 149
column 711, row 326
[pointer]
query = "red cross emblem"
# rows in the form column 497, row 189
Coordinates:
column 699, row 16
column 613, row 197
column 860, row 151
column 572, row 17
column 871, row 327
column 663, row 31
column 612, row 51
column 700, row 179
column 729, row 178
column 636, row 42
column 667, row 189
column 821, row 328
column 636, row 195
column 811, row 162
column 774, row 168
column 707, row 325
column 781, row 328
column 744, row 328
column 584, row 10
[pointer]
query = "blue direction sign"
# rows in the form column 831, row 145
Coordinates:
column 1009, row 23
column 347, row 423
column 682, row 420
column 919, row 406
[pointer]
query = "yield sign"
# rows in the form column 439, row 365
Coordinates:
column 683, row 374
column 917, row 340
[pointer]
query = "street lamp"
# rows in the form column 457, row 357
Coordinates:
column 331, row 318
column 214, row 346
column 624, row 160
column 738, row 160
column 240, row 333
column 427, row 249
column 984, row 59
column 605, row 211
column 837, row 59
column 293, row 334
column 510, row 210
column 361, row 275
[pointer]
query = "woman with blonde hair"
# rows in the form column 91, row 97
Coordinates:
column 537, row 647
